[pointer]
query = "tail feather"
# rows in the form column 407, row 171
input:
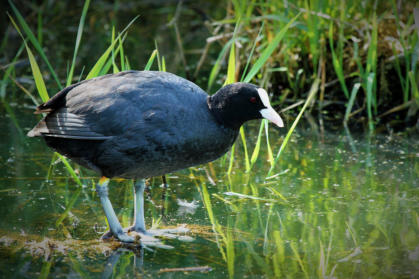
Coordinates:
column 38, row 130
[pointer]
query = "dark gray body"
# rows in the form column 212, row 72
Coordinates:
column 134, row 125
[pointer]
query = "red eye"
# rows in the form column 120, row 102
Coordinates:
column 253, row 99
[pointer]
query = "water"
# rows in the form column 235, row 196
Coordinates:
column 336, row 208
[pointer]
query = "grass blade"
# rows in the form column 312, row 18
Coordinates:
column 216, row 68
column 337, row 61
column 298, row 258
column 163, row 64
column 39, row 27
column 114, row 66
column 370, row 85
column 269, row 50
column 251, row 52
column 36, row 72
column 70, row 169
column 97, row 68
column 78, row 40
column 207, row 203
column 110, row 61
column 371, row 66
column 229, row 243
column 415, row 90
column 351, row 101
column 313, row 90
column 68, row 207
column 255, row 153
column 121, row 55
column 39, row 80
column 34, row 41
column 150, row 60
column 158, row 55
column 313, row 31
column 100, row 64
column 127, row 65
column 268, row 145
column 231, row 70
column 246, row 155
column 215, row 225
column 45, row 269
column 230, row 164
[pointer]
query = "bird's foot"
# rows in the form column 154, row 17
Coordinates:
column 121, row 236
column 152, row 237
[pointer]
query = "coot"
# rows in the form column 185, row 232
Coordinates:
column 139, row 124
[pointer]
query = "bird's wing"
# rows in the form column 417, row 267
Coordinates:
column 59, row 99
column 112, row 105
column 64, row 124
column 61, row 122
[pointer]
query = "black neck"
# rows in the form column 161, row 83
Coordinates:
column 219, row 108
column 231, row 106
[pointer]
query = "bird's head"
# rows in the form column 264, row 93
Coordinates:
column 239, row 102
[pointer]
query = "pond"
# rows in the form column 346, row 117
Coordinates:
column 336, row 207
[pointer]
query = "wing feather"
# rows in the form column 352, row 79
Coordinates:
column 64, row 124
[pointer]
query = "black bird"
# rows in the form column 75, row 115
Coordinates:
column 139, row 124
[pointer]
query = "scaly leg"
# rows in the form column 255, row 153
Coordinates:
column 114, row 225
column 147, row 236
column 139, row 223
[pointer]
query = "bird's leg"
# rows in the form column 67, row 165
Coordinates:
column 114, row 225
column 164, row 180
column 148, row 236
column 139, row 223
column 164, row 197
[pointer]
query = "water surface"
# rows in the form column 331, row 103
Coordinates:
column 335, row 208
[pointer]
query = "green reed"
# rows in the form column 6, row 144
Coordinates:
column 293, row 245
column 31, row 37
column 328, row 30
column 348, row 229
